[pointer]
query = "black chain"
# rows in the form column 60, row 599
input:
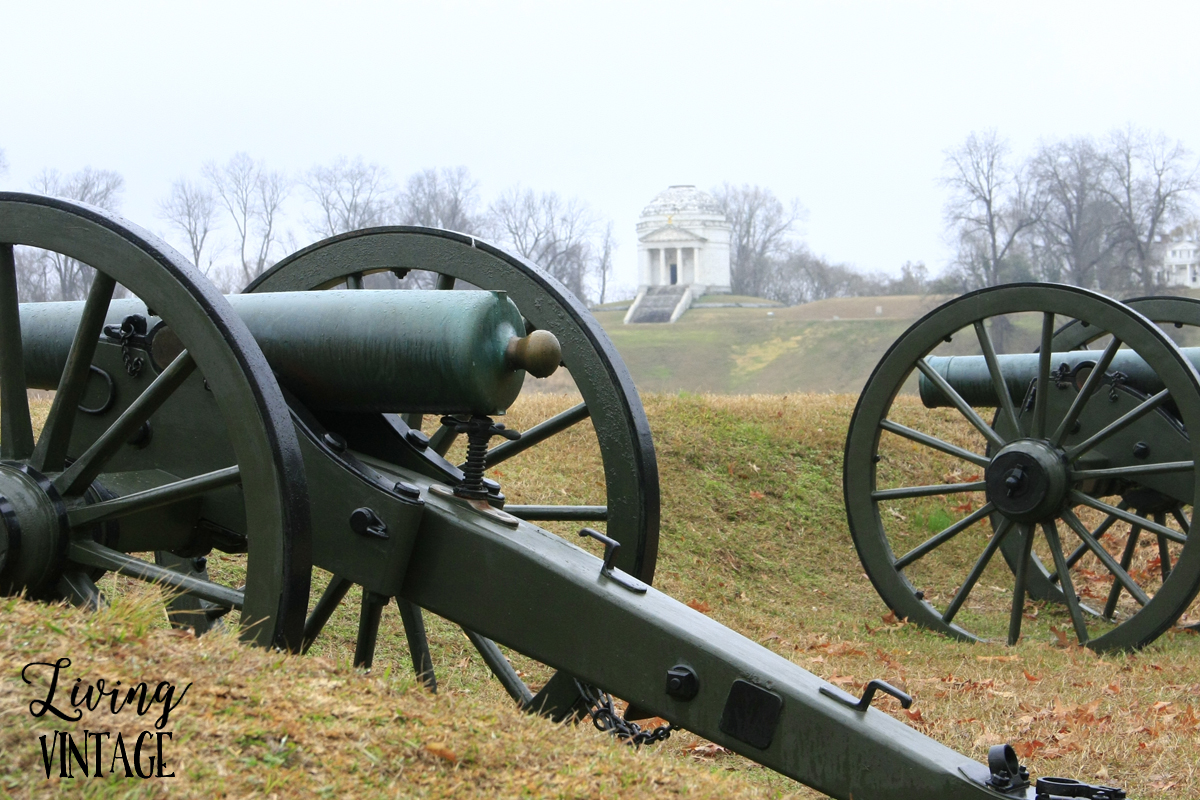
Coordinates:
column 605, row 718
column 132, row 326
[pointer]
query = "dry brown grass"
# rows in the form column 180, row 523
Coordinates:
column 753, row 529
column 261, row 724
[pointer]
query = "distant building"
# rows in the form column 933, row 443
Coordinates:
column 1181, row 264
column 683, row 254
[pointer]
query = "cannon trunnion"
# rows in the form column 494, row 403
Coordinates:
column 263, row 427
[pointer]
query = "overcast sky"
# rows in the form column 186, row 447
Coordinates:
column 847, row 107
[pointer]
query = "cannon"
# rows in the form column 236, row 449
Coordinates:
column 1052, row 429
column 185, row 424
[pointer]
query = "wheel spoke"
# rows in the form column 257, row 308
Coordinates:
column 1164, row 553
column 1068, row 589
column 1106, row 558
column 559, row 513
column 1021, row 576
column 1085, row 393
column 153, row 498
column 445, row 282
column 16, row 430
column 51, row 451
column 1178, row 514
column 79, row 475
column 418, row 642
column 998, row 382
column 949, row 392
column 1134, row 471
column 976, row 571
column 1117, row 511
column 934, row 442
column 323, row 610
column 79, row 588
column 89, row 553
column 537, row 434
column 354, row 280
column 1097, row 534
column 1114, row 592
column 368, row 628
column 442, row 439
column 1118, row 425
column 500, row 667
column 1042, row 395
column 904, row 492
column 924, row 549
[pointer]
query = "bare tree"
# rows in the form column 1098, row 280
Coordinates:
column 1150, row 181
column 551, row 232
column 604, row 259
column 192, row 210
column 991, row 206
column 253, row 196
column 441, row 198
column 351, row 195
column 3, row 163
column 1077, row 226
column 761, row 237
column 64, row 278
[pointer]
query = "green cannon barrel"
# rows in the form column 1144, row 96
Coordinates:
column 391, row 351
column 969, row 375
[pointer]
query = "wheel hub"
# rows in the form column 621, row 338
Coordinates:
column 1027, row 480
column 34, row 522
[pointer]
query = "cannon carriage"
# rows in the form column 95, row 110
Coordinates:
column 226, row 448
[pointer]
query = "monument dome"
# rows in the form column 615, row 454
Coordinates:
column 683, row 253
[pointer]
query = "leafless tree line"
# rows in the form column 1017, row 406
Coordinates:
column 239, row 217
column 1093, row 212
column 768, row 260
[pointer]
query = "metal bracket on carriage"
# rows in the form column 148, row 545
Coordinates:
column 611, row 546
column 863, row 703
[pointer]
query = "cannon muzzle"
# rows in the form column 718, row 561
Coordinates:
column 364, row 351
column 969, row 375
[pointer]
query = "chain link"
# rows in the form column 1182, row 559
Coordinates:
column 604, row 716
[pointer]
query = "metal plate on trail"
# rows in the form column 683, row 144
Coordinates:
column 751, row 714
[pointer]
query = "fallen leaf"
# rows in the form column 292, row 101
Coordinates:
column 997, row 658
column 705, row 749
column 915, row 715
column 1027, row 749
column 1061, row 636
column 442, row 751
column 891, row 619
column 757, row 495
column 699, row 605
column 965, row 508
column 1031, row 678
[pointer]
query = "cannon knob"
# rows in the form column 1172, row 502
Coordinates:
column 539, row 353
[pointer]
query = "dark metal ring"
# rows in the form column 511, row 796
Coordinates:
column 112, row 393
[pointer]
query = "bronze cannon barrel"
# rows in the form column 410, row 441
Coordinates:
column 969, row 375
column 391, row 351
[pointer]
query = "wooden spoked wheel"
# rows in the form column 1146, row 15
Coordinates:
column 1049, row 472
column 81, row 499
column 629, row 512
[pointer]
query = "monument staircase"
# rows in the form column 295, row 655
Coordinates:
column 660, row 304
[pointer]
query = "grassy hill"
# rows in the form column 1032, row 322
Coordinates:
column 829, row 346
column 753, row 531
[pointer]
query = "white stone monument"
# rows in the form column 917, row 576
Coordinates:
column 683, row 254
